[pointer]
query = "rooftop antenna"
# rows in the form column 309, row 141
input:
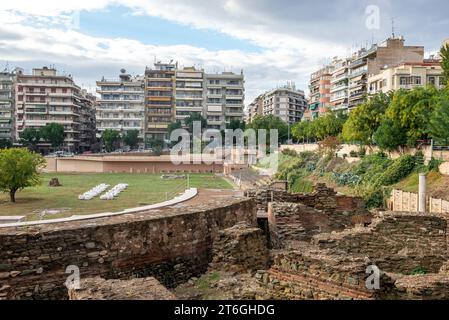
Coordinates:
column 392, row 28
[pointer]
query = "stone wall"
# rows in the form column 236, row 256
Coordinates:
column 396, row 242
column 298, row 222
column 240, row 248
column 170, row 244
column 318, row 275
column 115, row 289
column 323, row 198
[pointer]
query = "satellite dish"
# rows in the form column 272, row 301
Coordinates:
column 122, row 70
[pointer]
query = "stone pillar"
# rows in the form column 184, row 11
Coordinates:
column 422, row 193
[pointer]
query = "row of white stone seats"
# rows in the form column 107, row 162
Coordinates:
column 114, row 192
column 92, row 193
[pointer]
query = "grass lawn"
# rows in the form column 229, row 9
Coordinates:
column 144, row 189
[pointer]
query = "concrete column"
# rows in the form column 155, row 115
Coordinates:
column 422, row 193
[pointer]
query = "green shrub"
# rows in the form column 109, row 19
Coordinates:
column 434, row 165
column 362, row 152
column 418, row 271
column 400, row 169
column 354, row 154
column 289, row 152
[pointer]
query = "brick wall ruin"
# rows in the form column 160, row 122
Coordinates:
column 395, row 242
column 168, row 244
column 323, row 198
column 298, row 222
column 240, row 248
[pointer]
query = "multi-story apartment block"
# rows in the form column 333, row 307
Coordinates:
column 339, row 86
column 189, row 93
column 121, row 104
column 370, row 62
column 342, row 85
column 255, row 108
column 407, row 76
column 7, row 105
column 320, row 93
column 225, row 96
column 88, row 126
column 160, row 90
column 286, row 102
column 45, row 97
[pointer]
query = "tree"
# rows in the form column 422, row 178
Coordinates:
column 173, row 126
column 30, row 137
column 365, row 119
column 270, row 122
column 131, row 138
column 236, row 124
column 411, row 111
column 19, row 169
column 389, row 136
column 444, row 53
column 193, row 118
column 439, row 122
column 156, row 145
column 5, row 143
column 329, row 146
column 53, row 133
column 111, row 139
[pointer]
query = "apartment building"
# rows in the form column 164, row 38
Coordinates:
column 160, row 91
column 189, row 95
column 320, row 93
column 7, row 105
column 343, row 84
column 339, row 85
column 88, row 121
column 45, row 97
column 287, row 103
column 368, row 63
column 255, row 108
column 407, row 76
column 121, row 104
column 225, row 96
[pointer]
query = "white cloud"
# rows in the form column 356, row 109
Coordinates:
column 46, row 40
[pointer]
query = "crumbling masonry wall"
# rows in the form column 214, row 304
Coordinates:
column 170, row 244
column 240, row 248
column 395, row 242
column 298, row 222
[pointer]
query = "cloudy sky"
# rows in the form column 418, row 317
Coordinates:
column 273, row 41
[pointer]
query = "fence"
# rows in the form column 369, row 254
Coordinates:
column 408, row 202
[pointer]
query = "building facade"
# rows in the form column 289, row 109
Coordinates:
column 189, row 95
column 286, row 102
column 160, row 102
column 343, row 84
column 7, row 113
column 339, row 90
column 320, row 93
column 45, row 97
column 407, row 76
column 224, row 99
column 121, row 104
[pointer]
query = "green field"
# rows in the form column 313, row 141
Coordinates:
column 144, row 189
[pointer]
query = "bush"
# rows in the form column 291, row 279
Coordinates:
column 362, row 152
column 354, row 154
column 400, row 169
column 289, row 152
column 434, row 165
column 346, row 179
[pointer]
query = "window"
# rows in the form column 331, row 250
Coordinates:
column 403, row 81
column 53, row 90
column 417, row 80
column 64, row 90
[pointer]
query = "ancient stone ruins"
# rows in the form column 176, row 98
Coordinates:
column 265, row 244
